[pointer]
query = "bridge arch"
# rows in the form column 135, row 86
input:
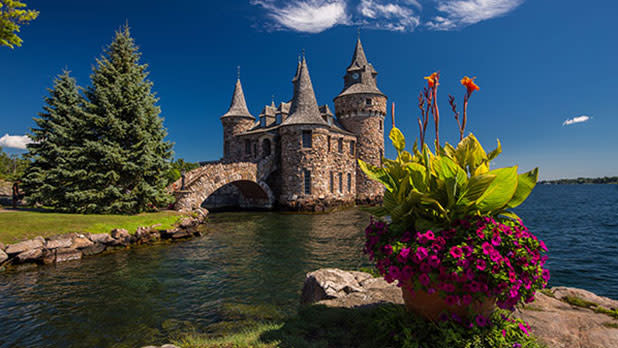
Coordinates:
column 203, row 182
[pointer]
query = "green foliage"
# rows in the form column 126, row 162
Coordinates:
column 177, row 167
column 603, row 180
column 429, row 190
column 12, row 167
column 12, row 17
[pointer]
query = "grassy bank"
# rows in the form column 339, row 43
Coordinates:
column 19, row 225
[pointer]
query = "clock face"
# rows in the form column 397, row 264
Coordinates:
column 355, row 76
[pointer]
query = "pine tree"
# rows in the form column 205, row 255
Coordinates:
column 50, row 177
column 125, row 153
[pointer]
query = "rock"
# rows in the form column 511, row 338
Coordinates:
column 187, row 222
column 32, row 255
column 121, row 237
column 81, row 242
column 94, row 249
column 146, row 234
column 102, row 238
column 3, row 256
column 2, row 246
column 49, row 256
column 554, row 322
column 24, row 246
column 186, row 233
column 339, row 288
column 67, row 254
column 58, row 243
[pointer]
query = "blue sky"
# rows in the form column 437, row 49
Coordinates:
column 539, row 63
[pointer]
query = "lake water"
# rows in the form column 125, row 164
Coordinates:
column 144, row 295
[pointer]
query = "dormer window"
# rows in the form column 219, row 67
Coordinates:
column 263, row 121
column 368, row 101
column 278, row 119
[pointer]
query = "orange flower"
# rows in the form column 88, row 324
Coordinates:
column 432, row 79
column 469, row 84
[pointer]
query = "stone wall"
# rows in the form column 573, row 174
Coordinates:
column 231, row 127
column 320, row 162
column 366, row 120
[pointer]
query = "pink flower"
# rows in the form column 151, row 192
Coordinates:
column 546, row 275
column 387, row 249
column 430, row 236
column 403, row 255
column 394, row 271
column 466, row 299
column 456, row 252
column 487, row 248
column 542, row 245
column 481, row 321
column 467, row 250
column 523, row 328
column 425, row 268
column 480, row 232
column 464, row 263
column 406, row 237
column 421, row 253
column 481, row 264
column 495, row 256
column 434, row 261
column 451, row 300
column 407, row 272
column 495, row 240
column 424, row 279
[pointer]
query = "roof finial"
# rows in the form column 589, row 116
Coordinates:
column 238, row 72
column 303, row 53
column 359, row 28
column 273, row 98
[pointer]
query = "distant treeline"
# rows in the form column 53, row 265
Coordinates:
column 603, row 180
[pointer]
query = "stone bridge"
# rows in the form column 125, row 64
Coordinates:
column 248, row 178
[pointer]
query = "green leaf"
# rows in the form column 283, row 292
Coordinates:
column 417, row 176
column 496, row 152
column 477, row 186
column 446, row 168
column 509, row 214
column 399, row 142
column 500, row 191
column 525, row 184
column 377, row 174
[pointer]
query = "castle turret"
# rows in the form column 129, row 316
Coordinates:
column 236, row 120
column 361, row 108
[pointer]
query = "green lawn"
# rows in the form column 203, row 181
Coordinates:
column 20, row 225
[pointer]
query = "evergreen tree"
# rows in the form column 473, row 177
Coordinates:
column 50, row 177
column 125, row 154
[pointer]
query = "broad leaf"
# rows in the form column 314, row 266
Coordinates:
column 377, row 174
column 500, row 191
column 496, row 152
column 525, row 184
column 477, row 185
column 399, row 142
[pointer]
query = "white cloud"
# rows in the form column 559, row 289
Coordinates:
column 578, row 119
column 390, row 16
column 460, row 13
column 15, row 141
column 310, row 16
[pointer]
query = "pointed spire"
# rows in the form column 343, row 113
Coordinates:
column 359, row 59
column 304, row 108
column 238, row 106
column 297, row 74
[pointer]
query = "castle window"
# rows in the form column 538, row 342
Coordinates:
column 226, row 149
column 328, row 144
column 255, row 149
column 381, row 157
column 307, row 181
column 352, row 148
column 263, row 121
column 349, row 182
column 340, row 183
column 332, row 182
column 380, row 124
column 278, row 119
column 340, row 145
column 266, row 147
column 330, row 120
column 247, row 147
column 368, row 102
column 307, row 139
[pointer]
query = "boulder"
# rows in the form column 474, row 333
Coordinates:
column 58, row 243
column 3, row 256
column 102, row 238
column 338, row 288
column 27, row 245
column 184, row 233
column 121, row 237
column 81, row 242
column 67, row 254
column 187, row 222
column 553, row 321
column 2, row 246
column 94, row 249
column 145, row 234
column 49, row 256
column 28, row 256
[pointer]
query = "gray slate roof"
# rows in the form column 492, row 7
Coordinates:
column 360, row 65
column 238, row 106
column 304, row 108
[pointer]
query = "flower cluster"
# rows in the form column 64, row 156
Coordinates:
column 474, row 260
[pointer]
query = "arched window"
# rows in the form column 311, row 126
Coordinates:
column 266, row 147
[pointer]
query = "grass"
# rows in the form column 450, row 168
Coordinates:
column 547, row 292
column 576, row 301
column 611, row 325
column 384, row 325
column 21, row 225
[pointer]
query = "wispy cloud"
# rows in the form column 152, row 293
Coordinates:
column 15, row 141
column 455, row 14
column 310, row 16
column 578, row 119
column 314, row 16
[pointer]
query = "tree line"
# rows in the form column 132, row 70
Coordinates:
column 603, row 180
column 101, row 149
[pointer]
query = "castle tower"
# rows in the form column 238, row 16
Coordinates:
column 236, row 120
column 361, row 108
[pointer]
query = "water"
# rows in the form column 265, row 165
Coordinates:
column 139, row 297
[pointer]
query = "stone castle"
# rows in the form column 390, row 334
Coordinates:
column 297, row 155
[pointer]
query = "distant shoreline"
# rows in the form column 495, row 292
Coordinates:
column 581, row 181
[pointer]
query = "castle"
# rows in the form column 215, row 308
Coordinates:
column 314, row 152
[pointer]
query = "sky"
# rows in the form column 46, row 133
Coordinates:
column 547, row 70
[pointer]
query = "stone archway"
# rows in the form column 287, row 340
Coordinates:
column 242, row 194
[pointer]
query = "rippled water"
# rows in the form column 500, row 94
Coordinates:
column 139, row 297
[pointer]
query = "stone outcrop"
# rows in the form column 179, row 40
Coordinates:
column 74, row 246
column 554, row 322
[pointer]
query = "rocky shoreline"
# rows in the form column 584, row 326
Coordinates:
column 74, row 246
column 560, row 317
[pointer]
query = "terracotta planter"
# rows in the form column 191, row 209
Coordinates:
column 431, row 306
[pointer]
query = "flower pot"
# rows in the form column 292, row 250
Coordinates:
column 431, row 306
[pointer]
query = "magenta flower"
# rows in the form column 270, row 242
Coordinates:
column 456, row 252
column 481, row 264
column 495, row 240
column 466, row 299
column 495, row 256
column 424, row 279
column 487, row 248
column 430, row 236
column 451, row 300
column 523, row 328
column 425, row 268
column 403, row 255
column 481, row 321
column 434, row 261
column 464, row 263
column 546, row 275
column 421, row 253
column 387, row 249
column 467, row 250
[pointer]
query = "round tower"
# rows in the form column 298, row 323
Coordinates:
column 236, row 120
column 361, row 109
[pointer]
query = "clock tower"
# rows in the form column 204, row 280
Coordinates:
column 361, row 109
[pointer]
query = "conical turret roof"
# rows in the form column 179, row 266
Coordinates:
column 238, row 106
column 359, row 60
column 304, row 108
column 360, row 76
